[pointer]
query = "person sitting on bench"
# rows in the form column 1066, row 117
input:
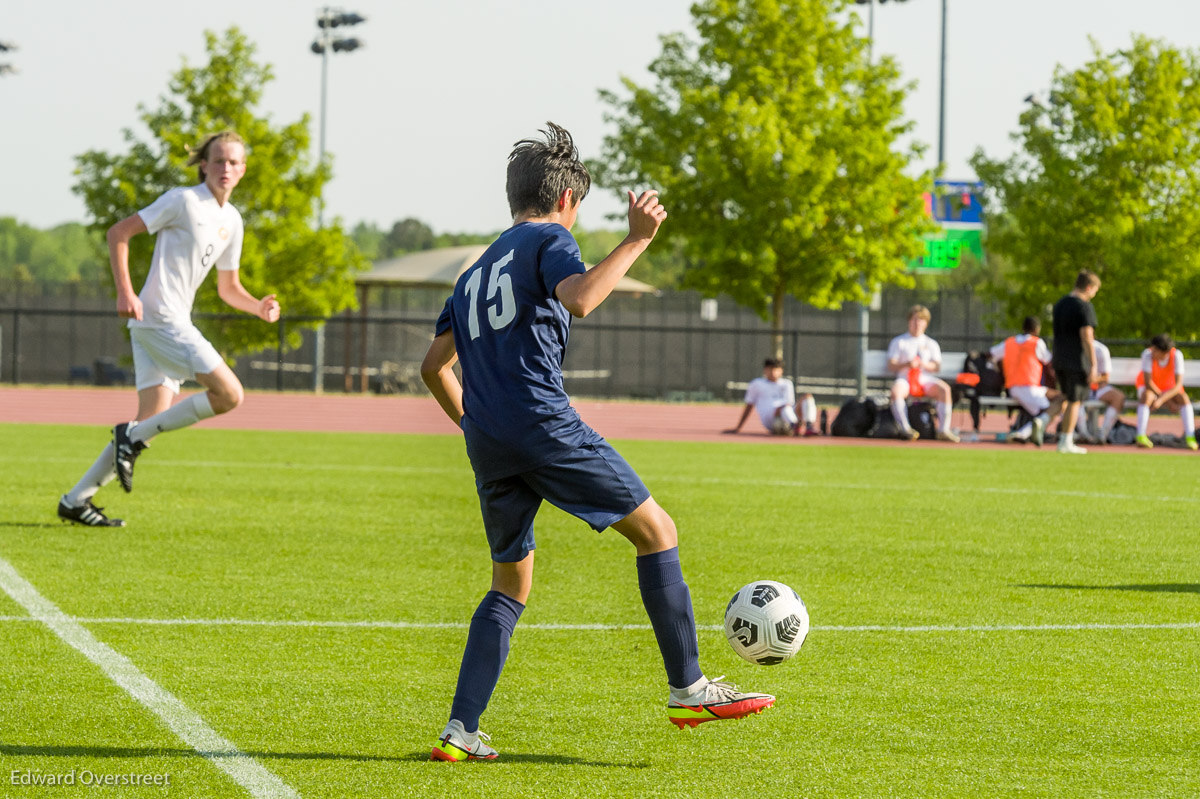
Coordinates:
column 915, row 359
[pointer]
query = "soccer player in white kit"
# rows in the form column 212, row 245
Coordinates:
column 197, row 229
column 1110, row 395
column 915, row 359
column 774, row 397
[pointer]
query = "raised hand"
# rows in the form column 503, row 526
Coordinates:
column 646, row 213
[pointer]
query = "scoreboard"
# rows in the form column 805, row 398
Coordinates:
column 956, row 207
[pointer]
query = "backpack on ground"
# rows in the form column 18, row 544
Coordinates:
column 885, row 425
column 921, row 418
column 1122, row 433
column 856, row 418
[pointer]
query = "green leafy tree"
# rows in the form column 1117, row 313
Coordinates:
column 64, row 253
column 463, row 239
column 369, row 240
column 774, row 142
column 311, row 270
column 408, row 235
column 1107, row 178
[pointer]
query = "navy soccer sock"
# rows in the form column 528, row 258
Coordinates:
column 487, row 648
column 669, row 605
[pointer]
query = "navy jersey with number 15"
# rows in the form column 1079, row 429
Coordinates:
column 510, row 333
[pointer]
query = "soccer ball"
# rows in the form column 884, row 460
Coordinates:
column 766, row 622
column 781, row 426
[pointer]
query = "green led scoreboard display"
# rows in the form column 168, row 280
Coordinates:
column 955, row 206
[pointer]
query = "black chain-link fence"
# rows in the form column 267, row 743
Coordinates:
column 648, row 347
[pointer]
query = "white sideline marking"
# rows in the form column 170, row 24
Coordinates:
column 411, row 625
column 181, row 720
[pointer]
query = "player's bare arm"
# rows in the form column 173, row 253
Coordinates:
column 745, row 415
column 437, row 370
column 128, row 304
column 581, row 294
column 1087, row 337
column 231, row 290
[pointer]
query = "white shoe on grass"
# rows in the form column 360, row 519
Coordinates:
column 455, row 744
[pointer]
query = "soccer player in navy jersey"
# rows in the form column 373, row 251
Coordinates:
column 507, row 322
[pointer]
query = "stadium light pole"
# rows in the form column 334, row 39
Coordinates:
column 327, row 42
column 942, row 95
column 864, row 308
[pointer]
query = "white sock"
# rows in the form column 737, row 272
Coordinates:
column 1110, row 419
column 1143, row 418
column 808, row 410
column 1068, row 439
column 100, row 473
column 943, row 414
column 900, row 414
column 1081, row 425
column 181, row 414
column 684, row 693
column 1189, row 419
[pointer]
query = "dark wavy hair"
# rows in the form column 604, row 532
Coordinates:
column 1162, row 342
column 539, row 171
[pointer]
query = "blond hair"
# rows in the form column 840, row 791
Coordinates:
column 200, row 153
column 921, row 311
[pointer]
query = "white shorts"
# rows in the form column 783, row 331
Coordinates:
column 782, row 423
column 1032, row 398
column 166, row 356
column 1097, row 393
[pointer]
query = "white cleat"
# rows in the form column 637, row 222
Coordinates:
column 456, row 744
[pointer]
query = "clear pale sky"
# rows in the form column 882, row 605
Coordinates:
column 421, row 120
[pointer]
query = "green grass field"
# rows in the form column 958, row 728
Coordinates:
column 1033, row 622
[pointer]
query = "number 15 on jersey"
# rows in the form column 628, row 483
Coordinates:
column 500, row 311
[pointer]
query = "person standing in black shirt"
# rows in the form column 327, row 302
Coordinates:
column 1074, row 362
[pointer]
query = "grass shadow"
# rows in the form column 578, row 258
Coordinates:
column 1169, row 588
column 153, row 751
column 156, row 751
column 553, row 760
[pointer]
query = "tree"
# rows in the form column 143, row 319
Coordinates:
column 64, row 253
column 774, row 143
column 369, row 240
column 1107, row 178
column 311, row 270
column 408, row 235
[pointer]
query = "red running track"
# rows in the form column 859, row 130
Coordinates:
column 365, row 413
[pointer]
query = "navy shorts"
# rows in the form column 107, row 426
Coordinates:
column 593, row 483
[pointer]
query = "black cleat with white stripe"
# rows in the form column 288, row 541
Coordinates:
column 87, row 514
column 125, row 452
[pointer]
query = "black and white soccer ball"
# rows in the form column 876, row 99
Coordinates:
column 766, row 622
